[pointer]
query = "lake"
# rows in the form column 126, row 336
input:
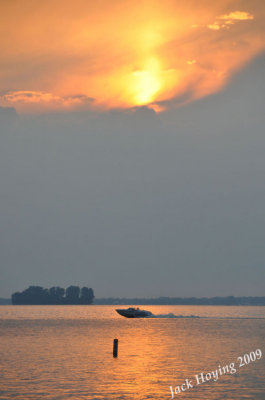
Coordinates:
column 185, row 352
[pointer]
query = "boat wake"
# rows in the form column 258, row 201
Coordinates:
column 170, row 315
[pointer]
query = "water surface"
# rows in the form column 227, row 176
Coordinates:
column 65, row 352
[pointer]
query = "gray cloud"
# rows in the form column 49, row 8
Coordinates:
column 138, row 204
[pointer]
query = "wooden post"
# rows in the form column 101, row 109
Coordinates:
column 115, row 348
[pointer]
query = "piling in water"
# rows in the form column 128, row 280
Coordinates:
column 115, row 348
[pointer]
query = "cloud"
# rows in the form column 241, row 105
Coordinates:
column 237, row 16
column 122, row 55
column 223, row 21
column 25, row 100
column 215, row 26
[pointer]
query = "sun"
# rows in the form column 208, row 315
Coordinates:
column 146, row 83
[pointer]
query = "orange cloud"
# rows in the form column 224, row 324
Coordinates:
column 229, row 19
column 237, row 16
column 25, row 100
column 58, row 55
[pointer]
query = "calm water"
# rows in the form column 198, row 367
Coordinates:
column 65, row 352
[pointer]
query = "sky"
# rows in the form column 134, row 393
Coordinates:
column 79, row 54
column 132, row 147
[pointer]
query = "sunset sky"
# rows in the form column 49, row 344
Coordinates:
column 132, row 146
column 79, row 54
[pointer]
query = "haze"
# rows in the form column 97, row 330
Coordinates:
column 132, row 147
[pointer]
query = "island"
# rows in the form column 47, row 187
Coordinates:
column 37, row 295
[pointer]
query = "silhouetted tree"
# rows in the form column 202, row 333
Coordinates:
column 16, row 298
column 72, row 295
column 54, row 295
column 60, row 292
column 32, row 295
column 87, row 295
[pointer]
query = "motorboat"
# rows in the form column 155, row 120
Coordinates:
column 134, row 313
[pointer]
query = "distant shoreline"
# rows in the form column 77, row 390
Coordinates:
column 191, row 301
column 175, row 301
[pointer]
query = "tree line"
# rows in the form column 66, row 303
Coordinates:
column 204, row 301
column 38, row 295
